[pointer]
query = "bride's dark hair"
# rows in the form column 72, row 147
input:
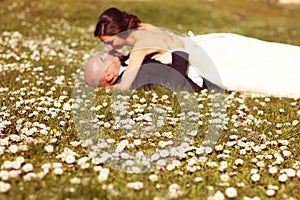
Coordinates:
column 113, row 21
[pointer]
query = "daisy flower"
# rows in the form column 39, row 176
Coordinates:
column 49, row 148
column 58, row 171
column 4, row 174
column 270, row 192
column 103, row 175
column 135, row 185
column 13, row 148
column 286, row 153
column 290, row 172
column 70, row 159
column 255, row 177
column 27, row 167
column 153, row 177
column 218, row 196
column 283, row 178
column 231, row 192
column 198, row 179
column 238, row 161
column 273, row 170
column 4, row 187
column 75, row 180
column 224, row 177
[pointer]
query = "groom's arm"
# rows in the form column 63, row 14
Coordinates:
column 160, row 74
column 180, row 61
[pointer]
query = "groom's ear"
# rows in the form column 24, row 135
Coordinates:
column 108, row 77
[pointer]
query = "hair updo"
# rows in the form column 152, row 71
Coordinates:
column 131, row 21
column 113, row 21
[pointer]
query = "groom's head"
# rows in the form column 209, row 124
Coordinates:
column 102, row 70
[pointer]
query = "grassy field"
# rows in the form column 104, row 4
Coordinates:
column 43, row 151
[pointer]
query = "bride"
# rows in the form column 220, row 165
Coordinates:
column 232, row 61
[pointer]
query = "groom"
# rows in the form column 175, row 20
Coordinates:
column 173, row 76
column 104, row 72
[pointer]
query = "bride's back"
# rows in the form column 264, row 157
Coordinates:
column 152, row 37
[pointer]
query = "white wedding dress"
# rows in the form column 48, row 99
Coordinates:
column 244, row 64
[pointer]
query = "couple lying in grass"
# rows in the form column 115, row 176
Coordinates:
column 224, row 60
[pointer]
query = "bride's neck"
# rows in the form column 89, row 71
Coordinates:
column 131, row 38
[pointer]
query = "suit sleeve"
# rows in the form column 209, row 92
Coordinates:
column 160, row 74
column 180, row 61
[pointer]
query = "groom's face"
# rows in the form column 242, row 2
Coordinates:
column 111, row 72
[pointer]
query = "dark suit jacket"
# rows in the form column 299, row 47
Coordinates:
column 172, row 76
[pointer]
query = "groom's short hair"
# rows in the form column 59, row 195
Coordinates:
column 93, row 70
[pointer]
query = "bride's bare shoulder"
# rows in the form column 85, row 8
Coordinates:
column 146, row 25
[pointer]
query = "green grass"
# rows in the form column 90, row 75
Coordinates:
column 38, row 68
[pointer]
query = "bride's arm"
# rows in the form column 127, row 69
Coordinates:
column 136, row 58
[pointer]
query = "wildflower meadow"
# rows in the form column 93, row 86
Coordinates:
column 60, row 139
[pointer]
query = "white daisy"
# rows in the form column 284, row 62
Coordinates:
column 231, row 192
